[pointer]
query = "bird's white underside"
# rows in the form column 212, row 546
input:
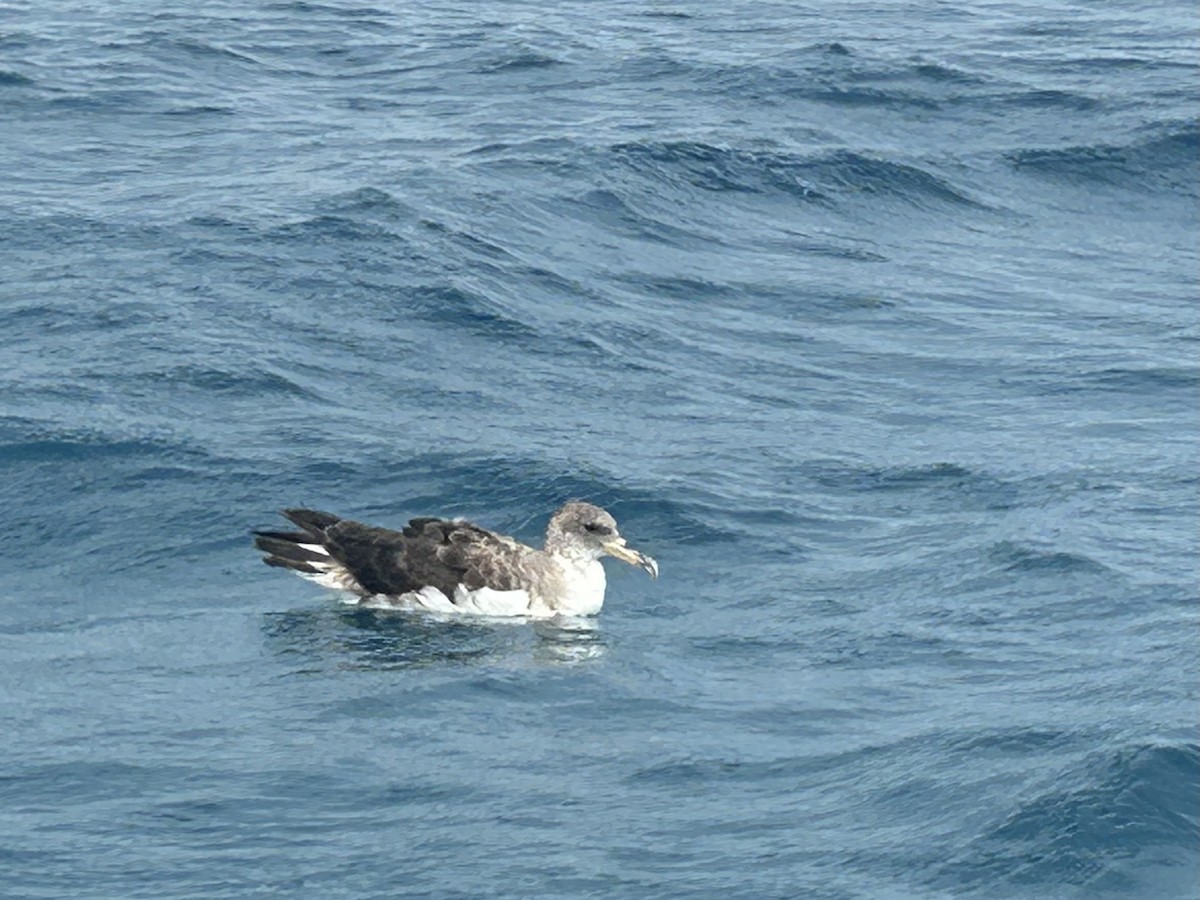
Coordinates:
column 586, row 578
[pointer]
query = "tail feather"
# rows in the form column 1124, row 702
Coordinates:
column 304, row 553
column 295, row 547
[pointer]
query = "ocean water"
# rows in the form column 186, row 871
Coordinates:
column 876, row 323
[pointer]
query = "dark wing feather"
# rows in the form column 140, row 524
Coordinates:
column 428, row 552
column 286, row 549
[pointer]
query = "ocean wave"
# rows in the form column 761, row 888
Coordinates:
column 84, row 781
column 1136, row 803
column 934, row 483
column 467, row 241
column 29, row 440
column 488, row 483
column 835, row 248
column 369, row 201
column 1014, row 741
column 325, row 227
column 14, row 79
column 717, row 168
column 1016, row 557
column 845, row 95
column 839, row 76
column 308, row 7
column 611, row 209
column 836, row 175
column 854, row 172
column 946, row 74
column 518, row 60
column 1159, row 382
column 684, row 288
column 759, row 775
column 249, row 379
column 36, row 233
column 1169, row 158
column 356, row 236
column 1152, row 380
column 202, row 50
column 200, row 110
column 1035, row 98
column 458, row 308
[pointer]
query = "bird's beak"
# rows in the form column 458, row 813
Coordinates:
column 618, row 549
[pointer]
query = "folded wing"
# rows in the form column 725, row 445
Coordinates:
column 454, row 557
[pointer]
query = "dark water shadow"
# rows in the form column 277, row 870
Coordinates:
column 348, row 637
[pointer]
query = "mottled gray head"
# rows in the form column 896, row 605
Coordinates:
column 582, row 529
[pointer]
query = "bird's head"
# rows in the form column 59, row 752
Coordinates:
column 582, row 529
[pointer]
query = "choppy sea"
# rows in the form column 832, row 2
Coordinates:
column 876, row 323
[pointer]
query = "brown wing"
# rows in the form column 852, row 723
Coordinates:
column 428, row 552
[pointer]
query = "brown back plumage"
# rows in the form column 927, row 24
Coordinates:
column 429, row 552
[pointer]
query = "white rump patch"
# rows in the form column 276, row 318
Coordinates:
column 331, row 575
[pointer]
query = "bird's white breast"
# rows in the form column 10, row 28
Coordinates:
column 583, row 585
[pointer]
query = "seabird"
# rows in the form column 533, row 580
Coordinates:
column 453, row 566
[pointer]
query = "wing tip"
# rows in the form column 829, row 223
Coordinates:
column 313, row 521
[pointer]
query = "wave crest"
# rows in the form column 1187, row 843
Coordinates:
column 827, row 176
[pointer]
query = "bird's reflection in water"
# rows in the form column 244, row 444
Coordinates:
column 568, row 640
column 321, row 638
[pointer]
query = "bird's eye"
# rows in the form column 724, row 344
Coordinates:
column 597, row 528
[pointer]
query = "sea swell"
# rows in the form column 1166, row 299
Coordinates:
column 1065, row 834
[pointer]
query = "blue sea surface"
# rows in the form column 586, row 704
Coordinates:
column 876, row 323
